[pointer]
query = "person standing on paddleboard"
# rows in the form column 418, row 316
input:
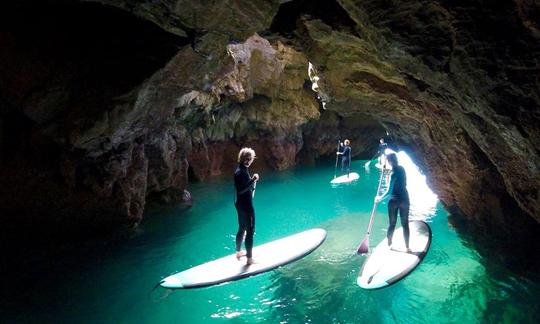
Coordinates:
column 345, row 156
column 399, row 200
column 245, row 186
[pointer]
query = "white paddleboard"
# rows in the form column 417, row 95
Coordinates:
column 344, row 178
column 267, row 257
column 386, row 266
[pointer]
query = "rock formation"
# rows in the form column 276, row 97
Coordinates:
column 96, row 126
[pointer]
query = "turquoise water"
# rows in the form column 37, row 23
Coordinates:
column 113, row 281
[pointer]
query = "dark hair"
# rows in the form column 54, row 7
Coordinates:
column 392, row 158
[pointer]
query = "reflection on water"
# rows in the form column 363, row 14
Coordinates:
column 111, row 283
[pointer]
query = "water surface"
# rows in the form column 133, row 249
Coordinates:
column 113, row 281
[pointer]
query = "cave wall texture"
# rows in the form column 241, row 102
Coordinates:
column 107, row 104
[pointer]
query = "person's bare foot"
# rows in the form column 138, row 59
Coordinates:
column 250, row 261
column 239, row 254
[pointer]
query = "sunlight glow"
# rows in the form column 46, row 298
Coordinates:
column 312, row 74
column 423, row 200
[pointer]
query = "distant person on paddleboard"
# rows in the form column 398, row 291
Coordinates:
column 345, row 156
column 245, row 185
column 382, row 148
column 399, row 200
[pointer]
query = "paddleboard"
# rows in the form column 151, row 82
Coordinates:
column 267, row 257
column 387, row 266
column 344, row 178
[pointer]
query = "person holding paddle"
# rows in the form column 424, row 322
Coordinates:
column 345, row 156
column 399, row 200
column 245, row 190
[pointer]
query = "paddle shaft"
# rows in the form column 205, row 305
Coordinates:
column 337, row 156
column 254, row 187
column 375, row 203
column 364, row 246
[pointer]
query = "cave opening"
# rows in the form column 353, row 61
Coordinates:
column 314, row 78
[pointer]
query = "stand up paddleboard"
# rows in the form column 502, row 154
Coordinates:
column 344, row 178
column 267, row 257
column 387, row 266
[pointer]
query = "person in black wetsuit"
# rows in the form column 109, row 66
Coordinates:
column 345, row 156
column 245, row 185
column 399, row 200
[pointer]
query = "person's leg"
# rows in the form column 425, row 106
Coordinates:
column 392, row 218
column 250, row 230
column 404, row 216
column 242, row 229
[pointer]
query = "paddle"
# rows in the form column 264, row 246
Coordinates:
column 364, row 246
column 254, row 187
column 337, row 156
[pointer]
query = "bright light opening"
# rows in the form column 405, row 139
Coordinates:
column 423, row 200
column 312, row 74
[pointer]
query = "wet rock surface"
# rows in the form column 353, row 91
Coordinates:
column 103, row 121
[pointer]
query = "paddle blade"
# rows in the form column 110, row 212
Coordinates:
column 364, row 247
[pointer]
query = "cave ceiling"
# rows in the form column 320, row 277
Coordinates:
column 455, row 83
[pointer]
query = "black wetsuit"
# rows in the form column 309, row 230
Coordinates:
column 346, row 159
column 399, row 200
column 244, row 206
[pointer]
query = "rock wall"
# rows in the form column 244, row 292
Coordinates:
column 455, row 82
column 97, row 122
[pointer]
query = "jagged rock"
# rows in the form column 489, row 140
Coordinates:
column 415, row 74
column 455, row 83
column 237, row 19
